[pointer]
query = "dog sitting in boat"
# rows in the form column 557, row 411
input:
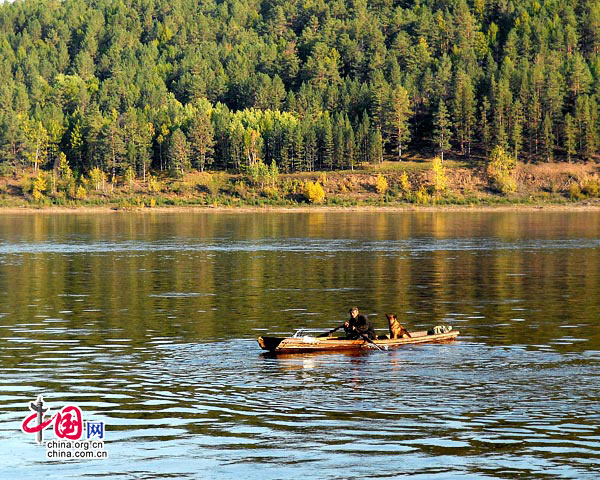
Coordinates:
column 396, row 330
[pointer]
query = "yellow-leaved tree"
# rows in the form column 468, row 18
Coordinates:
column 381, row 184
column 314, row 192
column 500, row 170
column 439, row 177
column 39, row 186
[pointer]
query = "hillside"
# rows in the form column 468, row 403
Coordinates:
column 125, row 88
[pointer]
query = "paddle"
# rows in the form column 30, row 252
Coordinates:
column 367, row 339
column 326, row 334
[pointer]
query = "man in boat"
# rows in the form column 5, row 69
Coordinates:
column 358, row 325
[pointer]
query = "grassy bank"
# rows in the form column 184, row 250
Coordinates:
column 409, row 183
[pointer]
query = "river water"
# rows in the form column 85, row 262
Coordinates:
column 148, row 323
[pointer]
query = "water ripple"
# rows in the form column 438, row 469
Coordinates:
column 422, row 244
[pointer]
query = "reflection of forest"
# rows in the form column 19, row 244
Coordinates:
column 512, row 278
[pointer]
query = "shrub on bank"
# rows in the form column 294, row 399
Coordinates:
column 26, row 184
column 270, row 192
column 98, row 178
column 404, row 184
column 153, row 184
column 590, row 187
column 314, row 192
column 261, row 174
column 575, row 192
column 240, row 188
column 81, row 192
column 381, row 184
column 213, row 183
column 500, row 169
column 439, row 177
column 129, row 178
column 422, row 196
column 39, row 186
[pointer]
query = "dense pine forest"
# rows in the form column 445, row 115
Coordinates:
column 122, row 88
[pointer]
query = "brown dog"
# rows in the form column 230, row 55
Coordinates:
column 396, row 330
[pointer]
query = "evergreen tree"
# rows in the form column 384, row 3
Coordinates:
column 93, row 129
column 221, row 119
column 326, row 142
column 401, row 116
column 236, row 145
column 297, row 155
column 502, row 107
column 580, row 77
column 548, row 138
column 310, row 147
column 517, row 128
column 363, row 134
column 112, row 145
column 381, row 107
column 591, row 122
column 486, row 136
column 349, row 142
column 443, row 79
column 375, row 146
column 179, row 153
column 554, row 91
column 464, row 111
column 76, row 141
column 582, row 121
column 11, row 139
column 143, row 140
column 201, row 139
column 534, row 121
column 569, row 137
column 162, row 140
column 442, row 130
column 338, row 141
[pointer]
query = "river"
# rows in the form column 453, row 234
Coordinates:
column 148, row 323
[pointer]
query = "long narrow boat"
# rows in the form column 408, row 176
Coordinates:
column 304, row 344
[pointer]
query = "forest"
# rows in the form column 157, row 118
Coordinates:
column 127, row 87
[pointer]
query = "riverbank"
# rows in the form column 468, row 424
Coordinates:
column 392, row 186
column 587, row 206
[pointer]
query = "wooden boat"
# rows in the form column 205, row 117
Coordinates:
column 304, row 344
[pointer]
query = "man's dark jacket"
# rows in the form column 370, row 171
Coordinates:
column 361, row 322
